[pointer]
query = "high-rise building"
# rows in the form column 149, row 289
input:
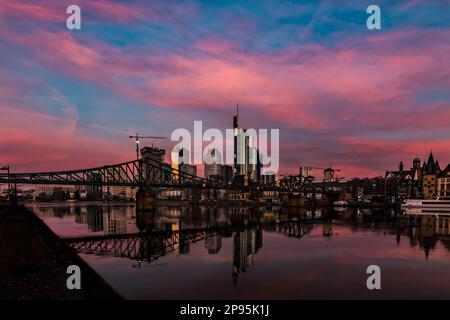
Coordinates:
column 181, row 162
column 239, row 146
column 251, row 159
column 153, row 153
column 267, row 178
column 227, row 174
column 189, row 169
column 115, row 191
column 213, row 164
column 94, row 192
column 305, row 171
column 328, row 175
column 246, row 155
column 154, row 169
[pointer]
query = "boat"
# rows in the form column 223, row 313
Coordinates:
column 340, row 203
column 419, row 206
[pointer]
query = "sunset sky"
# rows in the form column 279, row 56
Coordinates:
column 359, row 99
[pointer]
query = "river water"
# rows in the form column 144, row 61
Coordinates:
column 257, row 253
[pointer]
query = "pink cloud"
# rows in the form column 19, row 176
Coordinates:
column 366, row 83
column 55, row 11
column 288, row 89
column 37, row 142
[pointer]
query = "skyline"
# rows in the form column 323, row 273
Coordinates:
column 341, row 94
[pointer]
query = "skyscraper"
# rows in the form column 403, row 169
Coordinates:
column 155, row 157
column 213, row 164
column 238, row 152
column 246, row 155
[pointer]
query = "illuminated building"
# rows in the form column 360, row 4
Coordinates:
column 246, row 155
column 443, row 183
column 328, row 175
column 430, row 173
column 213, row 164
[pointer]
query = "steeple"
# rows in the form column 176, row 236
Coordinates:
column 432, row 166
column 430, row 158
column 416, row 163
column 400, row 167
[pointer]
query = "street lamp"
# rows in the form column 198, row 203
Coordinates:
column 9, row 184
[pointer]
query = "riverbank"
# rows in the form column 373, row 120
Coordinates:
column 33, row 262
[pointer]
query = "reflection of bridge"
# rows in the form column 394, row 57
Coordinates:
column 138, row 246
column 150, row 246
column 146, row 173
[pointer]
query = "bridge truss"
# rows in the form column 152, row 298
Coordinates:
column 148, row 173
column 137, row 173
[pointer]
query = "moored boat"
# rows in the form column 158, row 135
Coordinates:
column 421, row 206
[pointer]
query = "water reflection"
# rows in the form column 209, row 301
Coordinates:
column 98, row 219
column 173, row 229
column 245, row 246
column 237, row 247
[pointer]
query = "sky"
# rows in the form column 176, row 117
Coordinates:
column 361, row 100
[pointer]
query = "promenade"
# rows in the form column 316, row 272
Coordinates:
column 33, row 262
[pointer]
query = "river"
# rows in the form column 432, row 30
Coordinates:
column 257, row 253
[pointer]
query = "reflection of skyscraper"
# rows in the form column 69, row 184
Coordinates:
column 246, row 244
column 213, row 243
column 114, row 222
column 95, row 218
column 259, row 239
column 184, row 245
column 328, row 228
column 240, row 253
column 80, row 216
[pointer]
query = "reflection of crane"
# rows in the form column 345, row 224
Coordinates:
column 137, row 137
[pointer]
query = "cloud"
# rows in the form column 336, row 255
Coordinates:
column 360, row 101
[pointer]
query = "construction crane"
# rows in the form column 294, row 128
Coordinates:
column 139, row 136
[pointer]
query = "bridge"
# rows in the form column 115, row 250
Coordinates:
column 145, row 173
column 137, row 173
